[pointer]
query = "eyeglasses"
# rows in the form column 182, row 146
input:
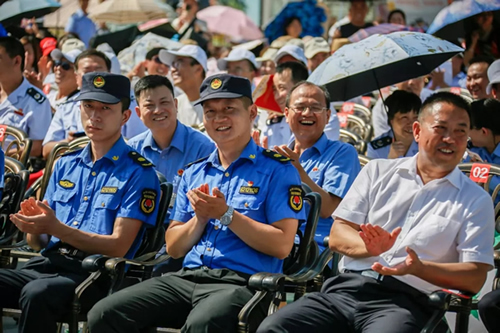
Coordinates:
column 157, row 60
column 64, row 65
column 183, row 62
column 303, row 109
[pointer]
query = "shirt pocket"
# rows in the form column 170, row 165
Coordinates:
column 63, row 204
column 105, row 210
column 251, row 205
column 435, row 235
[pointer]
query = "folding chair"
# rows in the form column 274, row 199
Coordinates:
column 353, row 139
column 15, row 143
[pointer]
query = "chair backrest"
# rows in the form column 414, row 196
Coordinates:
column 363, row 160
column 358, row 126
column 54, row 155
column 79, row 142
column 355, row 109
column 15, row 143
column 353, row 139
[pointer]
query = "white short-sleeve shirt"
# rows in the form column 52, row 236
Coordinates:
column 447, row 220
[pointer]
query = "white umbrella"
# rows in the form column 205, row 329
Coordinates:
column 59, row 18
column 127, row 11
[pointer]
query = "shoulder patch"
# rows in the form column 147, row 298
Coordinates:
column 295, row 199
column 274, row 120
column 71, row 151
column 139, row 159
column 381, row 143
column 37, row 96
column 194, row 162
column 275, row 156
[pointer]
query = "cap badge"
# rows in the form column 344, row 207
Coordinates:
column 215, row 84
column 99, row 82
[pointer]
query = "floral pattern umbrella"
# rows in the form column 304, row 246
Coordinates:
column 379, row 61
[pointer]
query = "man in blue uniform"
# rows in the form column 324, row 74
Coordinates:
column 402, row 111
column 22, row 105
column 236, row 214
column 99, row 200
column 328, row 167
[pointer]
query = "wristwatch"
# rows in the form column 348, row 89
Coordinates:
column 227, row 218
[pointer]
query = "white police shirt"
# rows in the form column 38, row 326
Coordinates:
column 447, row 220
column 28, row 109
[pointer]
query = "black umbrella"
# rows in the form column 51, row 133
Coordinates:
column 13, row 11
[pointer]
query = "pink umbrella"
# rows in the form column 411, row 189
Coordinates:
column 230, row 22
column 384, row 28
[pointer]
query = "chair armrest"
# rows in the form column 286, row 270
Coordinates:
column 267, row 281
column 13, row 246
column 94, row 262
column 144, row 261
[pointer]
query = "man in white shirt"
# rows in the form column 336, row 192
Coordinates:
column 379, row 113
column 189, row 67
column 406, row 227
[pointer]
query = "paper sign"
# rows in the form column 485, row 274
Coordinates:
column 348, row 108
column 342, row 119
column 366, row 101
column 3, row 129
column 479, row 172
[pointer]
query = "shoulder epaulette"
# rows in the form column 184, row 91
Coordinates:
column 196, row 162
column 38, row 97
column 381, row 142
column 72, row 150
column 275, row 156
column 139, row 159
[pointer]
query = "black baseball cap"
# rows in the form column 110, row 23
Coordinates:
column 224, row 86
column 104, row 87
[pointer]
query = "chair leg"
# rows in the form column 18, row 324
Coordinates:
column 462, row 322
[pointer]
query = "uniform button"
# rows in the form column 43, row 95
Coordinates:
column 246, row 204
column 85, row 198
column 103, row 204
column 216, row 227
column 75, row 223
column 226, row 174
column 209, row 249
column 94, row 173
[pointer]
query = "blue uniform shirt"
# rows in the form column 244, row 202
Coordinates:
column 28, row 109
column 91, row 196
column 380, row 146
column 493, row 158
column 332, row 165
column 83, row 26
column 256, row 186
column 188, row 145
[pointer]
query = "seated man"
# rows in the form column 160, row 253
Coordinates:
column 328, row 167
column 98, row 201
column 419, row 219
column 236, row 214
column 402, row 111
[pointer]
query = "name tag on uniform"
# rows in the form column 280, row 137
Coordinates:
column 109, row 189
column 249, row 190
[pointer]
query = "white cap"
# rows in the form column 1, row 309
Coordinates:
column 493, row 75
column 237, row 55
column 57, row 54
column 292, row 50
column 72, row 44
column 192, row 51
column 316, row 45
column 268, row 55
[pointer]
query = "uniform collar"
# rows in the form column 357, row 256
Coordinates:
column 410, row 165
column 20, row 91
column 116, row 154
column 319, row 145
column 250, row 152
column 179, row 139
column 79, row 13
column 496, row 152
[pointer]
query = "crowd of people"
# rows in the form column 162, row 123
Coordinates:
column 407, row 223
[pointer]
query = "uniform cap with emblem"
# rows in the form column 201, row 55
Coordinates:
column 104, row 87
column 224, row 86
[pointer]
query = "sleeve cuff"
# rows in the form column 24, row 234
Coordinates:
column 349, row 215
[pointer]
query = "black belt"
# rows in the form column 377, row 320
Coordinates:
column 69, row 251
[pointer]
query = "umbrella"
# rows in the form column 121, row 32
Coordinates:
column 450, row 22
column 127, row 11
column 12, row 12
column 310, row 15
column 231, row 22
column 160, row 27
column 384, row 28
column 379, row 61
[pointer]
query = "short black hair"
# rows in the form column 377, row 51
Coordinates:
column 402, row 101
column 151, row 82
column 481, row 58
column 309, row 84
column 125, row 103
column 298, row 70
column 93, row 52
column 444, row 97
column 13, row 47
column 396, row 11
column 486, row 113
column 153, row 52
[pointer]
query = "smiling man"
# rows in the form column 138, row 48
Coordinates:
column 236, row 214
column 407, row 227
column 477, row 77
column 98, row 200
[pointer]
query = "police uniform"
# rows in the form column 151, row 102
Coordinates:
column 88, row 196
column 28, row 109
column 493, row 158
column 332, row 165
column 207, row 294
column 277, row 130
column 380, row 146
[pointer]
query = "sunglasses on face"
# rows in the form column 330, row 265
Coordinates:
column 64, row 65
column 157, row 60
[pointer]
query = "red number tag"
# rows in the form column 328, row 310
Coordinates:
column 455, row 90
column 342, row 119
column 347, row 107
column 480, row 172
column 366, row 101
column 3, row 129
